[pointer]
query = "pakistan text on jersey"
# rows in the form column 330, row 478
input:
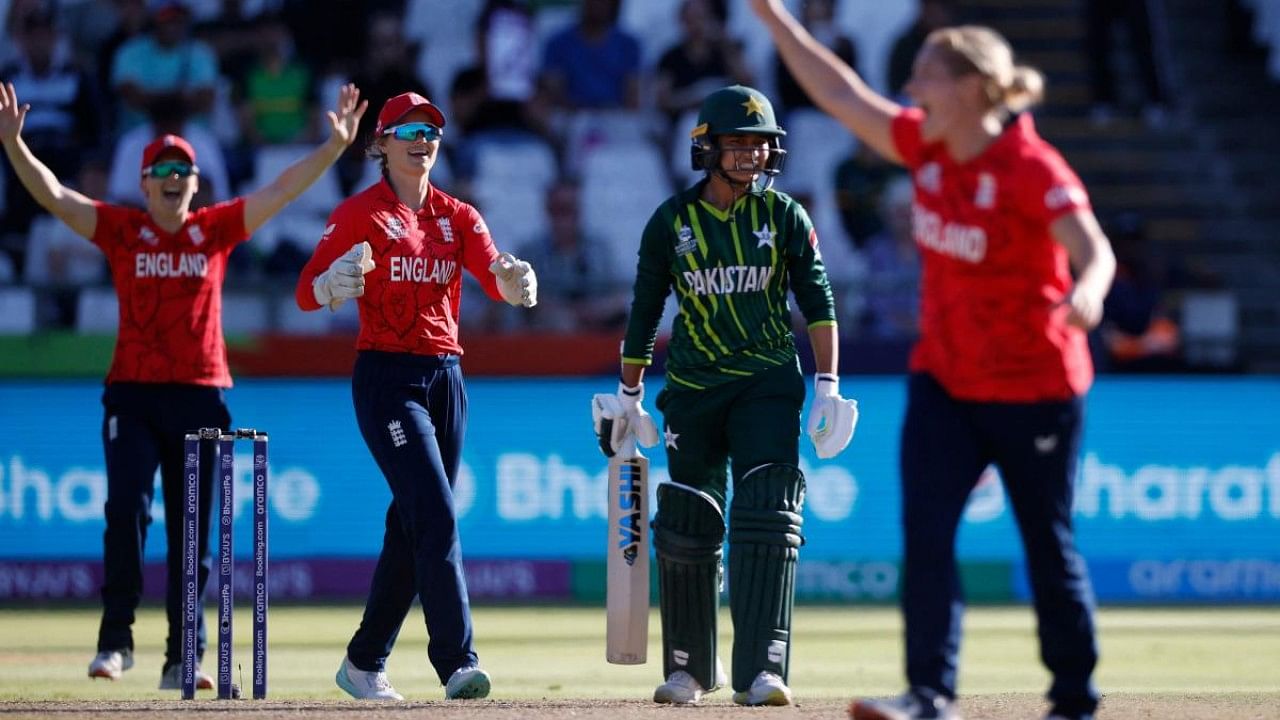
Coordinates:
column 963, row 242
column 422, row 270
column 170, row 265
column 723, row 280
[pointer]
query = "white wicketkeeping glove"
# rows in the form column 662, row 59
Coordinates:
column 516, row 280
column 831, row 417
column 345, row 277
column 621, row 421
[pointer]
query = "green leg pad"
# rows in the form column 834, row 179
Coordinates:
column 764, row 543
column 688, row 534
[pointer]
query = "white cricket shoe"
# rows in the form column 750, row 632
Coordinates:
column 766, row 689
column 365, row 685
column 110, row 664
column 681, row 689
column 467, row 683
column 171, row 678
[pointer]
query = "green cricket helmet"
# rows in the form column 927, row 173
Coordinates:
column 735, row 110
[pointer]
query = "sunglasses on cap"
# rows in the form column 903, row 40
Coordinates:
column 181, row 168
column 410, row 131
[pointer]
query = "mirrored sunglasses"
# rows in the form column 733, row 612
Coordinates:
column 180, row 168
column 409, row 132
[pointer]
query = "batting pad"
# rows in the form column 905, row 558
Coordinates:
column 688, row 534
column 764, row 543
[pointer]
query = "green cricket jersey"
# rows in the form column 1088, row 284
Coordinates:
column 731, row 272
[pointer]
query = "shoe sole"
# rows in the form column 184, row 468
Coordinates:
column 664, row 698
column 776, row 698
column 474, row 689
column 104, row 674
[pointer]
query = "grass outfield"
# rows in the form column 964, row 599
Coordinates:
column 1222, row 661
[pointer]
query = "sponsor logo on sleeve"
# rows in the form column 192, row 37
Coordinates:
column 1063, row 196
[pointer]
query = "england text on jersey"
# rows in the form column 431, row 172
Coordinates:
column 170, row 265
column 422, row 270
column 724, row 280
column 957, row 240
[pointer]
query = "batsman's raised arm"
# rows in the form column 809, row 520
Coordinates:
column 832, row 85
column 344, row 120
column 69, row 206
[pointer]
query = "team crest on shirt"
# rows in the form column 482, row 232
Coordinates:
column 765, row 236
column 395, row 228
column 446, row 229
column 148, row 237
column 685, row 242
column 196, row 234
column 929, row 177
column 985, row 197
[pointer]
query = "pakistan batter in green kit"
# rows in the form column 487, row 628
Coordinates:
column 730, row 247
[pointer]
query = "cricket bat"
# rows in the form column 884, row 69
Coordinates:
column 627, row 592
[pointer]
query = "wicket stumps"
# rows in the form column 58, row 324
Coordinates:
column 226, row 558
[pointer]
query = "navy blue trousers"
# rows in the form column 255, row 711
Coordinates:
column 412, row 411
column 143, row 427
column 946, row 444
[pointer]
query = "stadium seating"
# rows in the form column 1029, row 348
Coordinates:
column 17, row 311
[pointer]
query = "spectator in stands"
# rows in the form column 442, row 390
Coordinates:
column 893, row 268
column 495, row 94
column 387, row 70
column 132, row 18
column 1101, row 18
column 1139, row 331
column 581, row 290
column 163, row 63
column 64, row 120
column 819, row 17
column 932, row 15
column 168, row 115
column 279, row 92
column 233, row 36
column 332, row 36
column 169, row 373
column 703, row 61
column 860, row 182
column 593, row 64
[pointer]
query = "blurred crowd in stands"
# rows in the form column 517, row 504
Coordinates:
column 568, row 123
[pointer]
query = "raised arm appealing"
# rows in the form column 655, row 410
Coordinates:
column 832, row 85
column 261, row 205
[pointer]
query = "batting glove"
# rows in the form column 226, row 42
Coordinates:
column 832, row 418
column 517, row 282
column 345, row 277
column 621, row 421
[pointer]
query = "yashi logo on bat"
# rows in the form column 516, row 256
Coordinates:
column 629, row 500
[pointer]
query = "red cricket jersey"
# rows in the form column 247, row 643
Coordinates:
column 411, row 297
column 170, row 290
column 992, row 278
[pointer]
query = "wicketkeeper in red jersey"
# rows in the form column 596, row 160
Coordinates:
column 1002, row 363
column 169, row 371
column 399, row 248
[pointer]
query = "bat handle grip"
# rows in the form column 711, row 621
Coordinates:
column 628, row 448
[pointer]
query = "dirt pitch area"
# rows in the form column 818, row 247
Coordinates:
column 1019, row 706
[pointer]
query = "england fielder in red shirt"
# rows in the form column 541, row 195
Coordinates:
column 1002, row 363
column 399, row 248
column 169, row 371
